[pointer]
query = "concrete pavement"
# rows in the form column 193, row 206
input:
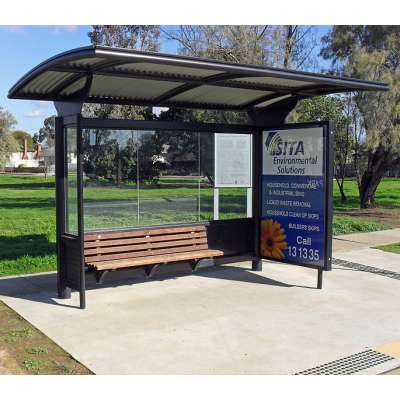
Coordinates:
column 355, row 241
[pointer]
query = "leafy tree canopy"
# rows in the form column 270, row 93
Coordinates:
column 20, row 137
column 8, row 144
column 372, row 53
column 46, row 133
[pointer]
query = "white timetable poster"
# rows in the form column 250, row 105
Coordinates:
column 233, row 160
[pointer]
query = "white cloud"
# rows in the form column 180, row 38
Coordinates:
column 34, row 114
column 13, row 28
column 64, row 28
column 42, row 104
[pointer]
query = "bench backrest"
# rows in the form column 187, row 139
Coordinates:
column 140, row 243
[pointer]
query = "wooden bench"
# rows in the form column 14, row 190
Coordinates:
column 146, row 248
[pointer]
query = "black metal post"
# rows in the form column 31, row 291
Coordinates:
column 81, row 230
column 330, row 144
column 256, row 264
column 64, row 292
column 320, row 275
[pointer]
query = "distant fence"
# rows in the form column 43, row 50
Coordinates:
column 24, row 170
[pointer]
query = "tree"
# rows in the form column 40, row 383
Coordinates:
column 138, row 37
column 337, row 109
column 371, row 52
column 20, row 137
column 47, row 133
column 151, row 145
column 46, row 137
column 8, row 144
column 279, row 46
column 381, row 120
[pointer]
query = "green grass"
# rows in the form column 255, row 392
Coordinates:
column 387, row 195
column 28, row 223
column 37, row 350
column 391, row 248
column 344, row 225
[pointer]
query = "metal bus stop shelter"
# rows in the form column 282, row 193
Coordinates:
column 127, row 77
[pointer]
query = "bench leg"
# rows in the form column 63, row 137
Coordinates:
column 100, row 275
column 64, row 293
column 194, row 265
column 151, row 270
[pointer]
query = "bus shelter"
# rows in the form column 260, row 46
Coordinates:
column 144, row 193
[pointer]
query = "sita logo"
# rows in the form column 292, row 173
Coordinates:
column 277, row 147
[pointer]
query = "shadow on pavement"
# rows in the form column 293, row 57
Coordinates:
column 43, row 287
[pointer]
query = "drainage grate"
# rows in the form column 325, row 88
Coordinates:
column 349, row 365
column 366, row 268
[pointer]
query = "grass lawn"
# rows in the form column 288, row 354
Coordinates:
column 27, row 213
column 26, row 350
column 392, row 248
column 349, row 218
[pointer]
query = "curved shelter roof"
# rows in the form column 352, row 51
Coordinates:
column 121, row 76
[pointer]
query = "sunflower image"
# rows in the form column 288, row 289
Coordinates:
column 272, row 239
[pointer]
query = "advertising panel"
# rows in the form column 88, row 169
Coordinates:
column 294, row 212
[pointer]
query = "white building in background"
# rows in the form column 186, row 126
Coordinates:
column 27, row 159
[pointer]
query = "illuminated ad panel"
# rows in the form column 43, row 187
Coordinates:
column 294, row 195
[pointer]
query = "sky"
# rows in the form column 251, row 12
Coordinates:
column 23, row 47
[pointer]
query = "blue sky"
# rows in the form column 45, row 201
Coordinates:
column 24, row 47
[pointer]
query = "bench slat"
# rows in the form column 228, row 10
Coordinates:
column 157, row 245
column 192, row 255
column 145, row 253
column 146, row 232
column 144, row 239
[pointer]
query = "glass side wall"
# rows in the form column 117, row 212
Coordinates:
column 169, row 177
column 110, row 195
column 71, row 181
column 136, row 178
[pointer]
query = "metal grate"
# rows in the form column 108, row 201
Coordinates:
column 349, row 365
column 366, row 268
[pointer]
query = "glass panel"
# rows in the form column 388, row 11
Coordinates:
column 207, row 176
column 168, row 177
column 72, row 191
column 232, row 203
column 138, row 178
column 110, row 178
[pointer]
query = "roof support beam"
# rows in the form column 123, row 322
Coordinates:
column 262, row 99
column 189, row 86
column 275, row 114
column 81, row 74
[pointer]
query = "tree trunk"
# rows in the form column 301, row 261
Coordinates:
column 288, row 45
column 378, row 164
column 343, row 197
column 368, row 189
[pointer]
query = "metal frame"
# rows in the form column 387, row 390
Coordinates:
column 276, row 119
column 63, row 236
column 328, row 140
